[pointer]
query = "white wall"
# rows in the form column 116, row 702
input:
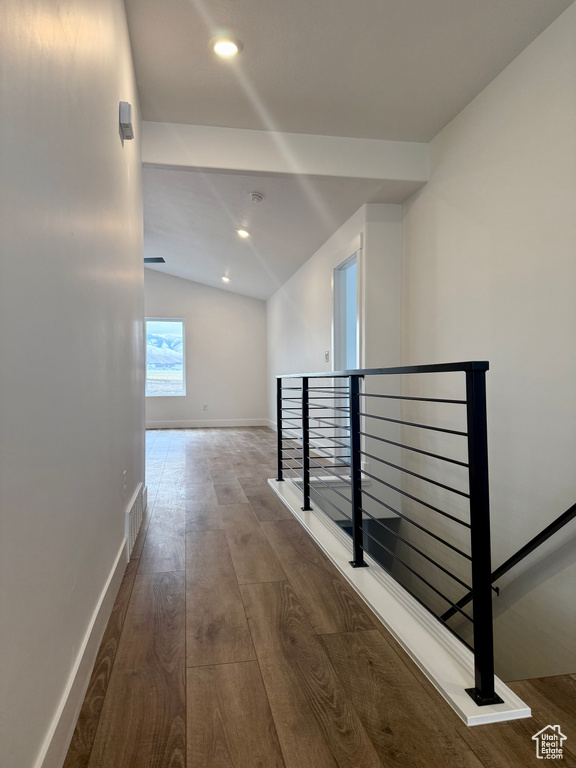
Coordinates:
column 225, row 354
column 300, row 313
column 489, row 259
column 71, row 394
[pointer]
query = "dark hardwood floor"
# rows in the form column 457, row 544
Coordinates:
column 235, row 643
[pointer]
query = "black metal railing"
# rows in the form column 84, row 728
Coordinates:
column 419, row 506
column 518, row 556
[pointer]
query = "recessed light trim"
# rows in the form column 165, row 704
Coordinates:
column 225, row 47
column 225, row 279
column 243, row 233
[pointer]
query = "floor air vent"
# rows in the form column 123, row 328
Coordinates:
column 134, row 516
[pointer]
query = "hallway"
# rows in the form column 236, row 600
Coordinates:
column 235, row 643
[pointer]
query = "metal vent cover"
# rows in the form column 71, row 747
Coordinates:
column 134, row 520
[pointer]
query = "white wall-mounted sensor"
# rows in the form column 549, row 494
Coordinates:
column 126, row 129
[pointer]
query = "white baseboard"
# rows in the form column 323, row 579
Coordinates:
column 55, row 746
column 200, row 424
column 271, row 425
column 445, row 661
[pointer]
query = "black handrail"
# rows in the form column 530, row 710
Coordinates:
column 471, row 365
column 476, row 465
column 523, row 552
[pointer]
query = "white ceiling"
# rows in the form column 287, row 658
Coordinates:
column 383, row 69
column 191, row 217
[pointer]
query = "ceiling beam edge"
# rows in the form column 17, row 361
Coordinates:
column 248, row 151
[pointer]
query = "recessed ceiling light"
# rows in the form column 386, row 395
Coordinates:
column 243, row 233
column 225, row 279
column 226, row 48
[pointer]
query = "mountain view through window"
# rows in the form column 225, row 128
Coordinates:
column 165, row 358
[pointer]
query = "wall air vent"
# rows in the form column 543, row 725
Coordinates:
column 134, row 517
column 154, row 260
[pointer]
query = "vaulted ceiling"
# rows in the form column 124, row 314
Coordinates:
column 398, row 70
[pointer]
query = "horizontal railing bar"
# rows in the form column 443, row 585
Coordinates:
column 419, row 399
column 285, row 389
column 330, row 408
column 318, row 397
column 416, row 450
column 319, row 442
column 291, row 469
column 296, row 436
column 339, row 477
column 334, row 426
column 416, row 499
column 412, row 570
column 298, row 456
column 321, row 418
column 332, row 439
column 293, row 410
column 417, row 525
column 329, row 486
column 297, row 476
column 296, row 428
column 296, row 440
column 317, row 407
column 333, row 464
column 416, row 549
column 471, row 365
column 329, row 455
column 289, row 420
column 312, row 407
column 315, row 490
column 415, row 474
column 412, row 424
column 298, row 463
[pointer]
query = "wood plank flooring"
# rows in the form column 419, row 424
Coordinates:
column 235, row 643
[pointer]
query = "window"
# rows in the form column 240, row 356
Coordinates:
column 165, row 357
column 346, row 315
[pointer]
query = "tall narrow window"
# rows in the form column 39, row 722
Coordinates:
column 346, row 315
column 165, row 373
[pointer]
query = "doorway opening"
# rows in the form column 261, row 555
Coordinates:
column 346, row 326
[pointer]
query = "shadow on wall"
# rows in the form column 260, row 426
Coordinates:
column 521, row 643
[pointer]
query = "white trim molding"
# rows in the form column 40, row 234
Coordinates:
column 204, row 424
column 445, row 661
column 57, row 740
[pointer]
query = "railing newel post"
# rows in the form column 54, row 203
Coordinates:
column 305, row 445
column 280, row 476
column 356, row 474
column 483, row 693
